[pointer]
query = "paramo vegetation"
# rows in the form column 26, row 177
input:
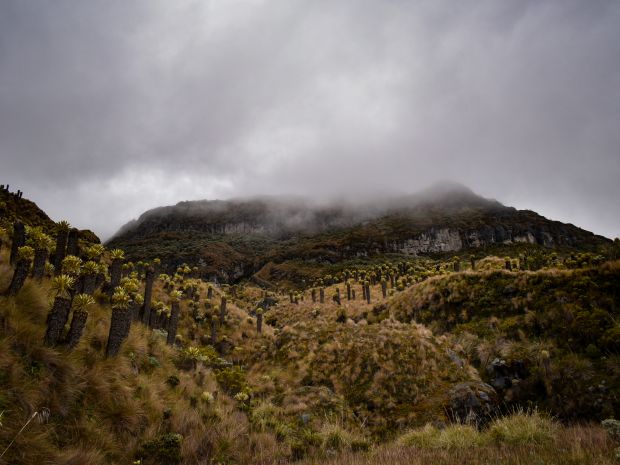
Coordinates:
column 470, row 359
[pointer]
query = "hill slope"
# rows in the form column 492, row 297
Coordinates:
column 233, row 239
column 15, row 207
column 555, row 331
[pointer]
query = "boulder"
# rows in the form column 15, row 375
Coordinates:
column 471, row 402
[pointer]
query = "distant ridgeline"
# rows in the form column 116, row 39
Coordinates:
column 241, row 238
column 14, row 207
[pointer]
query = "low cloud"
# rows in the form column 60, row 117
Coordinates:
column 107, row 110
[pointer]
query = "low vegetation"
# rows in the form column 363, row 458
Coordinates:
column 441, row 360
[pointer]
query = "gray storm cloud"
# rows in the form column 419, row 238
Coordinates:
column 110, row 108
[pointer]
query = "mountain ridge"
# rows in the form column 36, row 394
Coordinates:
column 233, row 239
column 448, row 194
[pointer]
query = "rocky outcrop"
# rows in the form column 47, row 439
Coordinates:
column 472, row 402
column 507, row 378
column 434, row 240
column 438, row 240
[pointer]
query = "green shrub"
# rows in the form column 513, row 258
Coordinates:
column 163, row 450
column 590, row 325
column 232, row 380
column 173, row 381
column 611, row 337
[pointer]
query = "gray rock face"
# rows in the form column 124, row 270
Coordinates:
column 436, row 240
column 230, row 275
column 472, row 402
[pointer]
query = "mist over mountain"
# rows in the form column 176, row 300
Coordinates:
column 120, row 111
column 237, row 238
column 283, row 216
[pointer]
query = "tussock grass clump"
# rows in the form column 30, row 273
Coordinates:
column 578, row 445
column 523, row 428
column 334, row 437
column 452, row 437
column 265, row 416
column 520, row 428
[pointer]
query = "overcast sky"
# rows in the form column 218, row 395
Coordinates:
column 108, row 108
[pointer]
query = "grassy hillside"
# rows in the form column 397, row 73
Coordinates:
column 558, row 328
column 14, row 208
column 102, row 410
column 347, row 383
